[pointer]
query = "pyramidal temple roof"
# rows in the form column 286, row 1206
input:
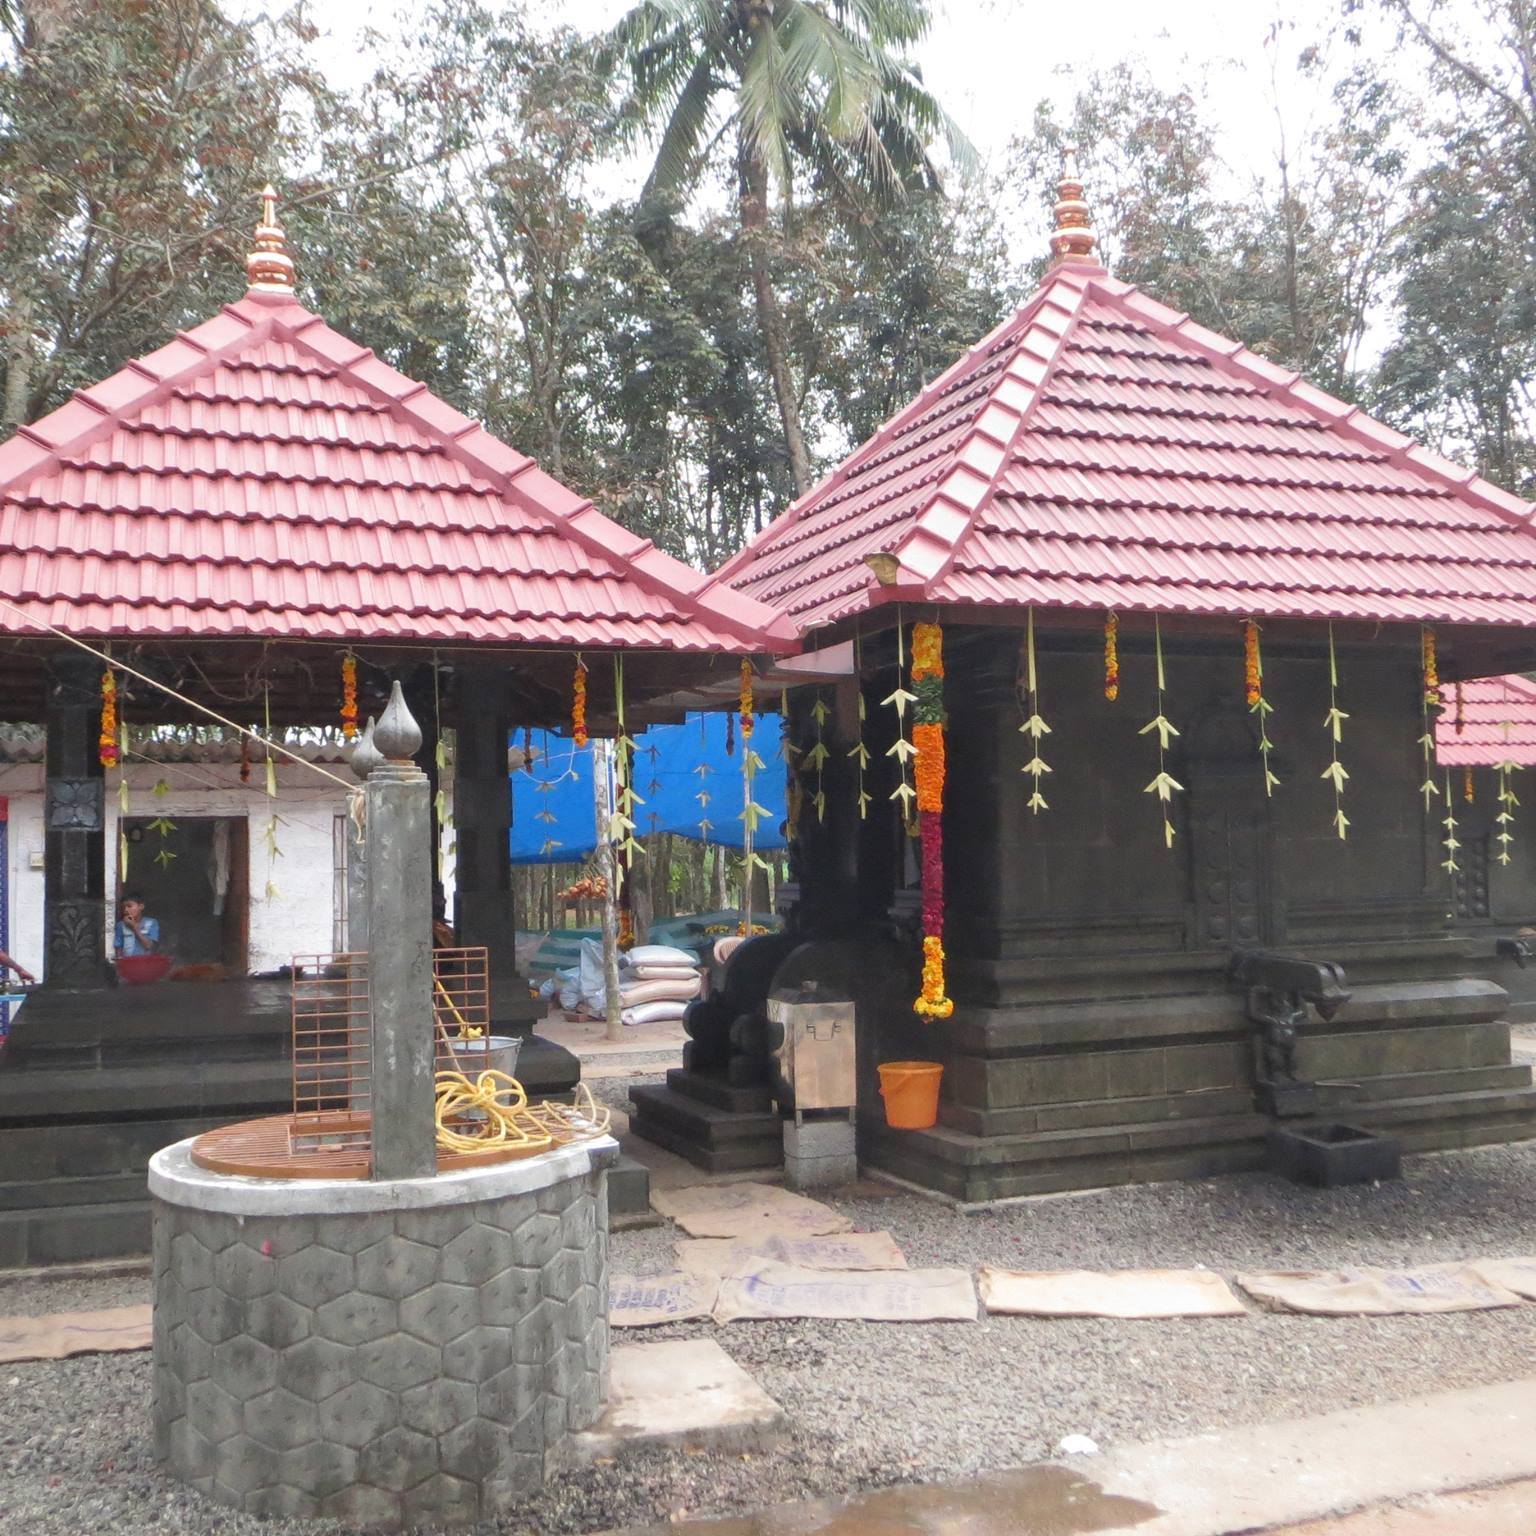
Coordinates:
column 1100, row 450
column 262, row 475
column 1492, row 720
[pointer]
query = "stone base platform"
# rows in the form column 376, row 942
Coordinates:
column 385, row 1353
column 1072, row 1095
column 93, row 1082
column 717, row 1127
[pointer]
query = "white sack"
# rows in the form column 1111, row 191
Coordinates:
column 654, row 1013
column 661, row 954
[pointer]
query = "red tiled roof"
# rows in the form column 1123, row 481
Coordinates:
column 1099, row 450
column 261, row 475
column 1498, row 723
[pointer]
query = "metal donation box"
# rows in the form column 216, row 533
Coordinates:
column 812, row 1035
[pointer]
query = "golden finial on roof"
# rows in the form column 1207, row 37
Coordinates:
column 1073, row 238
column 269, row 267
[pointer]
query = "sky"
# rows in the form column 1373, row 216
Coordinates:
column 990, row 61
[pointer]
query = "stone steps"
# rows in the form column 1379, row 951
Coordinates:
column 712, row 1138
column 1108, row 1112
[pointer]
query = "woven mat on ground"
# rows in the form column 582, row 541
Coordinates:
column 644, row 1301
column 1368, row 1290
column 892, row 1296
column 746, row 1210
column 734, row 1256
column 1116, row 1293
column 53, row 1335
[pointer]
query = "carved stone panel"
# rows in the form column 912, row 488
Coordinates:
column 1231, row 874
column 76, row 946
column 75, row 805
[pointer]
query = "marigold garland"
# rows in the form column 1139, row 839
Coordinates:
column 1467, row 792
column 349, row 696
column 107, row 743
column 746, row 699
column 928, row 738
column 579, row 704
column 927, row 678
column 1253, row 683
column 1431, row 664
column 1111, row 657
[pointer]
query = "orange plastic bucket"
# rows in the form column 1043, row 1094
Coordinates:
column 911, row 1093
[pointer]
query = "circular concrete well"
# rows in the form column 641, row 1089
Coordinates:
column 379, row 1352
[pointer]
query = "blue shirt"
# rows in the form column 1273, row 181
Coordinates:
column 126, row 941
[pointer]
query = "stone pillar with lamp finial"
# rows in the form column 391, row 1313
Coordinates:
column 398, row 821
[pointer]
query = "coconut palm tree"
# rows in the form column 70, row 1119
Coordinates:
column 824, row 85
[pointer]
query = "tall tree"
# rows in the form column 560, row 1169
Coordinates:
column 132, row 140
column 1290, row 259
column 1459, row 371
column 791, row 85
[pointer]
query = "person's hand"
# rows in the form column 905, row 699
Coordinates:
column 25, row 975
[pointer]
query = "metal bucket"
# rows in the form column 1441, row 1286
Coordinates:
column 490, row 1053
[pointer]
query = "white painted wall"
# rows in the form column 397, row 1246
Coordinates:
column 297, row 921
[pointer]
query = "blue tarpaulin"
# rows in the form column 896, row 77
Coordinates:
column 552, row 810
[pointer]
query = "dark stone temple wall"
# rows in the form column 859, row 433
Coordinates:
column 1096, row 1037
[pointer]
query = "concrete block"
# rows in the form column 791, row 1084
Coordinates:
column 819, row 1154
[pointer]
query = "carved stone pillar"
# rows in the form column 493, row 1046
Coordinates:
column 74, row 870
column 400, row 950
column 482, row 810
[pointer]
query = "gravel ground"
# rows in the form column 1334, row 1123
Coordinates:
column 873, row 1403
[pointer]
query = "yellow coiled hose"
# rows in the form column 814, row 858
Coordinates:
column 492, row 1110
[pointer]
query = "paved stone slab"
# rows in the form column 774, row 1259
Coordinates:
column 685, row 1392
column 1261, row 1477
column 1507, row 1511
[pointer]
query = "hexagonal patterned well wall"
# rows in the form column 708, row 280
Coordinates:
column 387, row 1366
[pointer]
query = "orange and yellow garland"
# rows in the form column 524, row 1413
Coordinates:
column 928, row 738
column 1111, row 657
column 579, row 704
column 349, row 696
column 107, row 743
column 1431, row 667
column 746, row 699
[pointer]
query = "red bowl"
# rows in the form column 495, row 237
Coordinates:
column 136, row 969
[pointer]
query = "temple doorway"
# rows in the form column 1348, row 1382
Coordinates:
column 194, row 875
